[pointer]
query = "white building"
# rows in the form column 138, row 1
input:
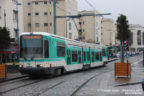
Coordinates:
column 137, row 37
column 8, row 16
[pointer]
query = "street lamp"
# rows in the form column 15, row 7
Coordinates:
column 17, row 4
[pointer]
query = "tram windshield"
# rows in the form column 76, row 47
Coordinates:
column 31, row 47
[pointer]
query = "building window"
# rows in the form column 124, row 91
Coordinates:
column 139, row 37
column 70, row 26
column 15, row 30
column 50, row 2
column 36, row 3
column 74, row 56
column 29, row 14
column 28, row 3
column 45, row 13
column 29, row 25
column 50, row 13
column 45, row 2
column 83, row 22
column 14, row 1
column 45, row 24
column 37, row 14
column 37, row 24
column 50, row 24
column 15, row 15
column 60, row 49
column 70, row 35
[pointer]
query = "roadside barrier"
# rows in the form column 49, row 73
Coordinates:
column 122, row 70
column 3, row 71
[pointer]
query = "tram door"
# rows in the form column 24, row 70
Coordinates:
column 68, row 57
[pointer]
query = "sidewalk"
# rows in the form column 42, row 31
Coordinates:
column 106, row 84
column 12, row 76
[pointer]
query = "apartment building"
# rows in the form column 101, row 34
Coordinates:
column 137, row 39
column 39, row 16
column 109, row 32
column 11, row 15
column 8, row 16
column 90, row 27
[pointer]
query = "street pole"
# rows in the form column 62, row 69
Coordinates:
column 4, row 18
column 18, row 55
column 54, row 11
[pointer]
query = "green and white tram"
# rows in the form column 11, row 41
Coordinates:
column 43, row 53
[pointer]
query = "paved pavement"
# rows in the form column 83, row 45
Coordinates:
column 103, row 84
column 11, row 76
column 107, row 85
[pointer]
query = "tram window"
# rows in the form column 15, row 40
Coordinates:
column 84, row 56
column 103, row 52
column 68, row 57
column 97, row 56
column 79, row 57
column 100, row 56
column 46, row 49
column 92, row 56
column 88, row 56
column 74, row 56
column 60, row 49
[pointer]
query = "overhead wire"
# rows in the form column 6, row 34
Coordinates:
column 90, row 4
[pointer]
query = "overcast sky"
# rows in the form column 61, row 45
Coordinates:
column 133, row 9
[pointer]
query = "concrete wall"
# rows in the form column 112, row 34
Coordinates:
column 90, row 27
column 63, row 7
column 108, row 32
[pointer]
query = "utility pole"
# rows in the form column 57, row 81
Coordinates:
column 4, row 18
column 18, row 55
column 54, row 13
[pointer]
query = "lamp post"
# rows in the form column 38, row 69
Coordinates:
column 54, row 9
column 17, row 4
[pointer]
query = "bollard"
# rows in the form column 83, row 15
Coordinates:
column 143, row 85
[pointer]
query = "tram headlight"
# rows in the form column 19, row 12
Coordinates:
column 20, row 66
column 41, row 65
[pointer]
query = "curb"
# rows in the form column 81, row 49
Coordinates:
column 5, row 80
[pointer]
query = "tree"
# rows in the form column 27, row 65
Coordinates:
column 123, row 32
column 4, row 41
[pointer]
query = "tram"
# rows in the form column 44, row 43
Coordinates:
column 43, row 53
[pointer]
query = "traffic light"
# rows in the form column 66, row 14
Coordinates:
column 126, row 45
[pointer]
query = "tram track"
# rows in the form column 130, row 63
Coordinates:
column 13, row 79
column 49, row 88
column 86, row 82
column 11, row 89
column 54, row 85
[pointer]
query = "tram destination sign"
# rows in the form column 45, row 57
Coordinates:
column 31, row 37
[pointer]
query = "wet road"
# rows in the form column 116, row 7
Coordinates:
column 84, row 83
